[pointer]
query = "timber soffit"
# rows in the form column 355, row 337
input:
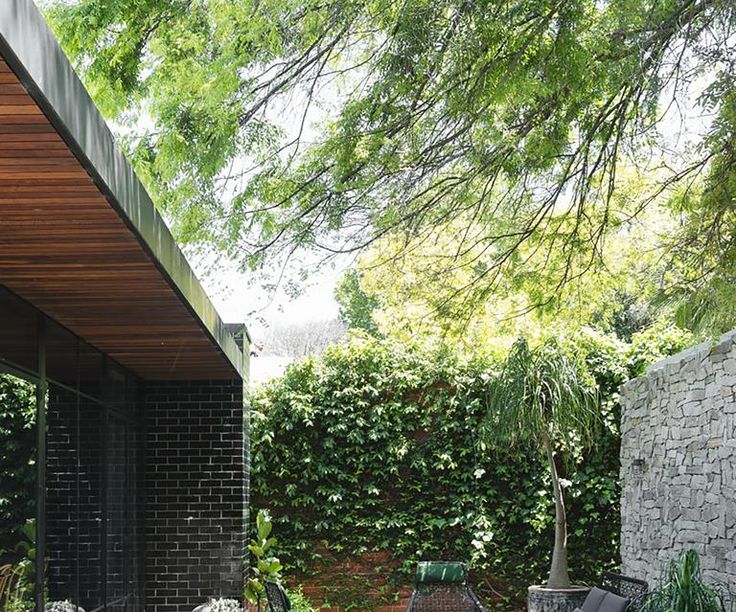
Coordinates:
column 32, row 51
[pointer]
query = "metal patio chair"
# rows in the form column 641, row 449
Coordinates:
column 633, row 589
column 278, row 600
column 441, row 586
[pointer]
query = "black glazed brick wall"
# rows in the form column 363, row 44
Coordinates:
column 74, row 500
column 93, row 504
column 196, row 493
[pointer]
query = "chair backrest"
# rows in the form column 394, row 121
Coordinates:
column 633, row 589
column 278, row 601
column 441, row 586
column 600, row 600
column 444, row 572
column 9, row 577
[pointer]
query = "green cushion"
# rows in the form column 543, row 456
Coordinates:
column 447, row 572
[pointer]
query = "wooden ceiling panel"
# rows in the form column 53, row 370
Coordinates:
column 65, row 249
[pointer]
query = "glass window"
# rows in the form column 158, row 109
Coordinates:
column 90, row 370
column 90, row 534
column 18, row 332
column 62, row 356
column 18, row 465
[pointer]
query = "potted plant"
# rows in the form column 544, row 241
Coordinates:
column 541, row 398
column 264, row 567
column 684, row 590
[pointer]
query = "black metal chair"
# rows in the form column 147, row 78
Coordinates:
column 278, row 600
column 442, row 587
column 633, row 589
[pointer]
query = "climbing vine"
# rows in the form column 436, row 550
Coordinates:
column 374, row 447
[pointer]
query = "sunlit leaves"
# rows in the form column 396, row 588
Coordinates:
column 520, row 119
column 376, row 445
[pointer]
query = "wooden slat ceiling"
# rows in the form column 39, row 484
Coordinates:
column 65, row 249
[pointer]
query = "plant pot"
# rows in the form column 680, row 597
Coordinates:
column 545, row 599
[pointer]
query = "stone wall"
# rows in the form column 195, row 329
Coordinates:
column 678, row 463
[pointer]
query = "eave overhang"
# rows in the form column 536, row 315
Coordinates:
column 79, row 236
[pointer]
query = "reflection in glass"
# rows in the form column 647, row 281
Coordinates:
column 18, row 333
column 18, row 465
column 71, row 496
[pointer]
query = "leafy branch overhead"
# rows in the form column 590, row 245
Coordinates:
column 271, row 126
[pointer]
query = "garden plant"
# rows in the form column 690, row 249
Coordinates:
column 544, row 397
column 683, row 589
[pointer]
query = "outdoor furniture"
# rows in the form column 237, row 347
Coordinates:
column 278, row 600
column 441, row 586
column 633, row 589
column 616, row 593
column 599, row 600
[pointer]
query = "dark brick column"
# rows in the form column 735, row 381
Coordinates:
column 196, row 492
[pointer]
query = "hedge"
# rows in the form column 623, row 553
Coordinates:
column 373, row 447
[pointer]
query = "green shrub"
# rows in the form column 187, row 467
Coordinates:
column 683, row 589
column 17, row 458
column 299, row 601
column 374, row 446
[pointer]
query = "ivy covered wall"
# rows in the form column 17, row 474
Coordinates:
column 374, row 447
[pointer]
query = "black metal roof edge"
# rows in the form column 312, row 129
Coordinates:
column 32, row 51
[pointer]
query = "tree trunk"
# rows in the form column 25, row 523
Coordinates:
column 558, row 577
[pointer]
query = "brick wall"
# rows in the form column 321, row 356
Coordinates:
column 93, row 512
column 196, row 492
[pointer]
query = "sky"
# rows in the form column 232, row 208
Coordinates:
column 238, row 301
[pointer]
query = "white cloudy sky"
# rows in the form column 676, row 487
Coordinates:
column 239, row 301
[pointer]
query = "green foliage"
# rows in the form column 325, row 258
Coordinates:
column 264, row 126
column 299, row 601
column 684, row 590
column 17, row 457
column 18, row 578
column 375, row 446
column 541, row 394
column 356, row 306
column 264, row 567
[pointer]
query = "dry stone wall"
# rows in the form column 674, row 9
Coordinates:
column 678, row 463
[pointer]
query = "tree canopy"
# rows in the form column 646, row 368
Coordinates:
column 267, row 126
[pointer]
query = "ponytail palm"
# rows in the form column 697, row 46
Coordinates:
column 542, row 397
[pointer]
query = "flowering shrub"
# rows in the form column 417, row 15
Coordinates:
column 225, row 605
column 62, row 606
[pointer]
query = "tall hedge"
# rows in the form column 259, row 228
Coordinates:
column 374, row 446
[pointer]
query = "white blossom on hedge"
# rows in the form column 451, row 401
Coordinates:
column 225, row 605
column 62, row 606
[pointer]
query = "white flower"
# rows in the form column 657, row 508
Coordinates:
column 224, row 605
column 62, row 606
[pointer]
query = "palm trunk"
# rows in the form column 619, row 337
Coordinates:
column 558, row 577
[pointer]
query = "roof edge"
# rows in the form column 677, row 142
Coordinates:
column 32, row 51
